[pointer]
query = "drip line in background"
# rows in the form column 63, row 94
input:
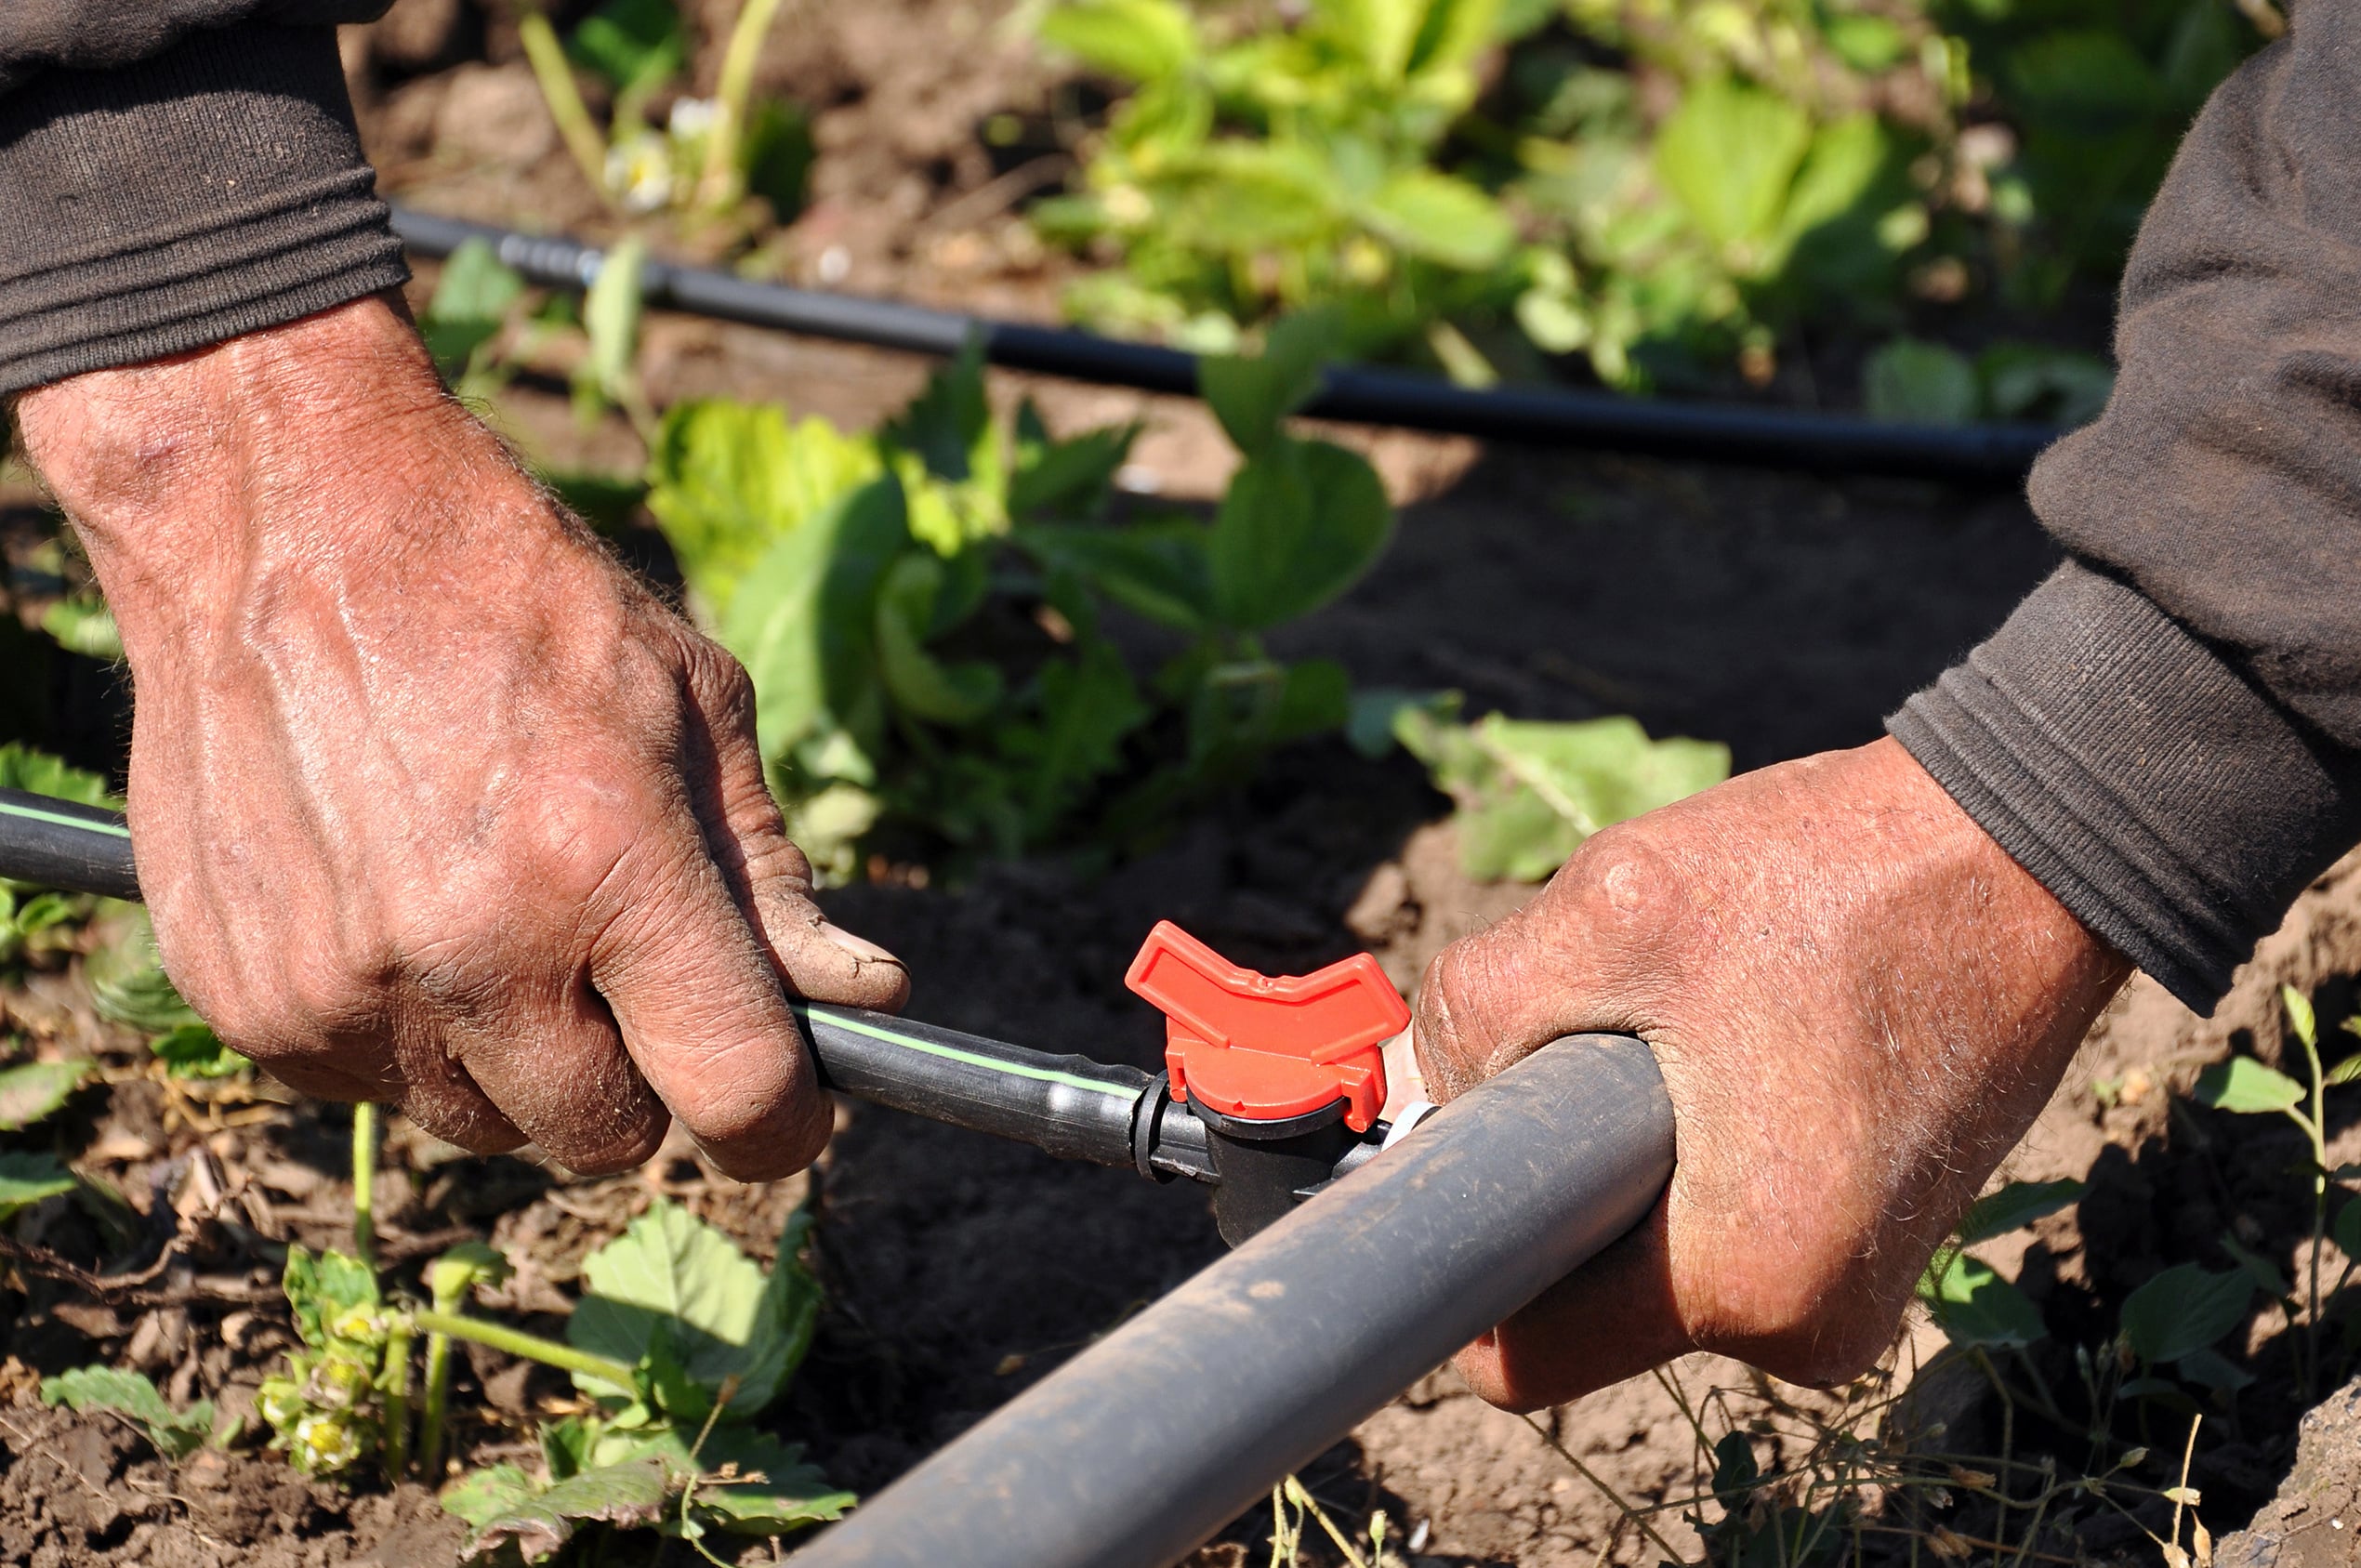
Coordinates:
column 1769, row 438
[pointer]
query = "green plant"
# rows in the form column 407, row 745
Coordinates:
column 710, row 154
column 176, row 1433
column 678, row 1342
column 1529, row 793
column 2247, row 1087
column 31, row 1092
column 34, row 921
column 1930, row 384
column 27, row 1178
column 923, row 610
column 1275, row 169
column 1655, row 187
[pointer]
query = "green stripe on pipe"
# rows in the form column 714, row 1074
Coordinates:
column 933, row 1047
column 58, row 819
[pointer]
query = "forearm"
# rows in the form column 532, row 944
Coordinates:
column 2169, row 732
column 209, row 184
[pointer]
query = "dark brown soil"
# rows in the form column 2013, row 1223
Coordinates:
column 1782, row 615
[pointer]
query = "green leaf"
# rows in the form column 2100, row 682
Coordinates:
column 2215, row 1372
column 923, row 686
column 1316, row 698
column 1245, row 198
column 1068, row 479
column 2031, row 380
column 192, row 1050
column 1160, row 570
column 1300, row 523
column 771, row 1490
column 1920, row 382
column 2014, row 1207
column 176, row 1433
column 2347, row 1230
column 127, row 981
column 804, row 619
column 2300, row 1017
column 26, row 1179
column 776, row 155
column 675, row 1287
column 727, row 479
column 1529, row 793
column 1734, row 1469
column 84, row 626
column 1974, row 1306
column 1869, row 44
column 1728, row 156
column 1251, row 395
column 1840, row 173
column 2089, row 82
column 476, row 285
column 2343, row 1071
column 611, row 316
column 1442, row 219
column 2183, row 1309
column 2266, row 1274
column 636, row 45
column 37, row 773
column 1138, row 40
column 323, row 1287
column 948, row 425
column 538, row 1525
column 472, row 301
column 483, row 1496
column 2246, row 1086
column 1087, row 705
column 36, row 1090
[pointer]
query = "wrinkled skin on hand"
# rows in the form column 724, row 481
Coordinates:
column 1859, row 1003
column 434, row 804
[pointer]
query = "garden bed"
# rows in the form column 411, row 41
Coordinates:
column 1779, row 614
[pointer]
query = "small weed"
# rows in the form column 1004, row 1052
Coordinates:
column 679, row 1343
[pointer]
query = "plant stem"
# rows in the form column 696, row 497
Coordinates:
column 2317, row 1130
column 364, row 1185
column 723, row 180
column 431, row 1415
column 583, row 138
column 530, row 1346
column 396, row 1382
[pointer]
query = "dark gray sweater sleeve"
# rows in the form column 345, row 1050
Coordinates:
column 2168, row 734
column 174, row 173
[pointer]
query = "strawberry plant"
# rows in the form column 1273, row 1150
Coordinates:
column 679, row 1343
column 927, row 612
column 708, row 154
column 1528, row 792
column 1658, row 189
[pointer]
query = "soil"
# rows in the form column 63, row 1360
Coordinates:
column 1782, row 614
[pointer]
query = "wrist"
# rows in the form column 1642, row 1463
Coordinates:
column 325, row 445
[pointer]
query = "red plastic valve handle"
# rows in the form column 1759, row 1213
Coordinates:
column 1265, row 1047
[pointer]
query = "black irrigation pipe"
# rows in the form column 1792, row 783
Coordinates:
column 1770, row 438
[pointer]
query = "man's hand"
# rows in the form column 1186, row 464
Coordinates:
column 433, row 803
column 1859, row 1001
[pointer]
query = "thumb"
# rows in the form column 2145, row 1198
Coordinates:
column 1486, row 1001
column 820, row 961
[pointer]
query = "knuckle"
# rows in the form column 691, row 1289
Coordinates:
column 579, row 832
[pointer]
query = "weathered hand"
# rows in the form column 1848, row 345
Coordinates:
column 433, row 803
column 1859, row 1003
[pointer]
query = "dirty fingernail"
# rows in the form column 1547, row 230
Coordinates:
column 860, row 947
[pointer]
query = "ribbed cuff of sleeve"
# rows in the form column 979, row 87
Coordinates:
column 2138, row 776
column 213, row 190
